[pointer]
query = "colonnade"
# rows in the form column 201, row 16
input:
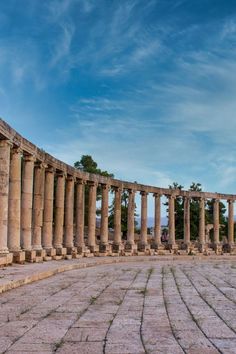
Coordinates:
column 42, row 209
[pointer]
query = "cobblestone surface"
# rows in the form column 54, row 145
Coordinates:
column 140, row 307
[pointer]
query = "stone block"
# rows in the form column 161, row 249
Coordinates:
column 19, row 257
column 30, row 256
column 6, row 259
column 50, row 252
column 61, row 251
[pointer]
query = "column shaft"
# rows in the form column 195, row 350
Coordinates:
column 171, row 220
column 157, row 220
column 5, row 148
column 48, row 209
column 216, row 222
column 14, row 212
column 59, row 211
column 144, row 218
column 130, row 221
column 117, row 217
column 79, row 235
column 92, row 214
column 230, row 222
column 69, row 213
column 104, row 215
column 186, row 221
column 27, row 202
column 202, row 227
column 38, row 205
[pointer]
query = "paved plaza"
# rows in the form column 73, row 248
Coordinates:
column 180, row 306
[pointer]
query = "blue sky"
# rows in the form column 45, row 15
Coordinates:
column 146, row 87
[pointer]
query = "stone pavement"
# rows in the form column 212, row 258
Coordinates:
column 138, row 306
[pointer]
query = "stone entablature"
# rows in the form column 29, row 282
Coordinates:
column 42, row 198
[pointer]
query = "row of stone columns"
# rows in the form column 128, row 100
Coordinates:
column 39, row 208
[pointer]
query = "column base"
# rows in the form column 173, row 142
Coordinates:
column 6, row 259
column 217, row 248
column 117, row 248
column 172, row 247
column 130, row 249
column 202, row 248
column 30, row 256
column 157, row 246
column 104, row 249
column 50, row 252
column 19, row 257
column 72, row 251
column 94, row 249
column 232, row 249
column 61, row 251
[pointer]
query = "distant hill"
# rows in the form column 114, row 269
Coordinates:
column 150, row 223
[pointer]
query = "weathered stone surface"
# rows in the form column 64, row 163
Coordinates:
column 181, row 306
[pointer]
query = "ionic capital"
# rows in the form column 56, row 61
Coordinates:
column 143, row 193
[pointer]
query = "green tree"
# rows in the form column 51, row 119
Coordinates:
column 87, row 164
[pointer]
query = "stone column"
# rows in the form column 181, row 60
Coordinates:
column 69, row 215
column 171, row 240
column 143, row 242
column 216, row 224
column 202, row 226
column 103, row 246
column 157, row 221
column 26, row 206
column 231, row 223
column 5, row 147
column 117, row 220
column 48, row 212
column 130, row 244
column 187, row 222
column 14, row 212
column 79, row 235
column 92, row 216
column 59, row 214
column 38, row 206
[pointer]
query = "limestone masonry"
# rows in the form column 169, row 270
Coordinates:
column 42, row 210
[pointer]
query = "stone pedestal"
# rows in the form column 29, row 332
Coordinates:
column 105, row 248
column 19, row 257
column 130, row 248
column 117, row 248
column 61, row 251
column 6, row 259
column 30, row 256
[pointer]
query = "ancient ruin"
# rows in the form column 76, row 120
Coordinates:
column 37, row 225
